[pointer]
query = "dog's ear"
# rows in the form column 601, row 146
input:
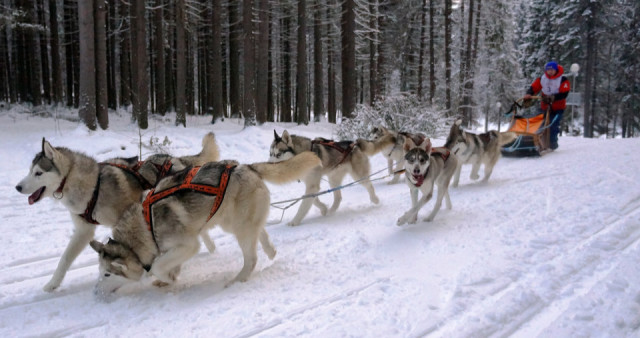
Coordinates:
column 48, row 150
column 286, row 138
column 97, row 246
column 276, row 137
column 426, row 145
column 408, row 144
column 120, row 266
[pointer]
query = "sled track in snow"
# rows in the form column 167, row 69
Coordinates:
column 290, row 316
column 586, row 263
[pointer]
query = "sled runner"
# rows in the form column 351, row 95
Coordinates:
column 532, row 130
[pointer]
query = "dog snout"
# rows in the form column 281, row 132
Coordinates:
column 19, row 188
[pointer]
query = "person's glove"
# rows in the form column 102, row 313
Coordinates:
column 548, row 99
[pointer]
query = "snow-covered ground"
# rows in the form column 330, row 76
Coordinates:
column 548, row 247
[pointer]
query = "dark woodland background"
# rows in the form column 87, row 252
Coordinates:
column 296, row 60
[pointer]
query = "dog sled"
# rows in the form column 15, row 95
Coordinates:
column 532, row 128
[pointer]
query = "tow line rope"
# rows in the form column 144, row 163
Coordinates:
column 293, row 201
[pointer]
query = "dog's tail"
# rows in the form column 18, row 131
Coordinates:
column 506, row 137
column 289, row 170
column 371, row 148
column 210, row 151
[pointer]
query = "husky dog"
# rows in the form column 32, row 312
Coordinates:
column 425, row 168
column 476, row 149
column 395, row 152
column 162, row 233
column 97, row 193
column 338, row 159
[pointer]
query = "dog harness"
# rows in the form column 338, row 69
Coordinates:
column 88, row 212
column 163, row 170
column 206, row 189
column 442, row 152
column 344, row 147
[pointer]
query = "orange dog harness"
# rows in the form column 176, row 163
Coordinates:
column 206, row 189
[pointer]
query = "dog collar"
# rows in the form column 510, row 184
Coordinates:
column 58, row 193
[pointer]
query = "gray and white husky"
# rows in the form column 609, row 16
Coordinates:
column 162, row 241
column 395, row 152
column 425, row 168
column 98, row 193
column 476, row 149
column 338, row 159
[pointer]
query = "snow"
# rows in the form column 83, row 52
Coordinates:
column 548, row 247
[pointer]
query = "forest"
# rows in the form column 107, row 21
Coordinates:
column 303, row 60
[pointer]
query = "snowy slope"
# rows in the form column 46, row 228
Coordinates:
column 548, row 247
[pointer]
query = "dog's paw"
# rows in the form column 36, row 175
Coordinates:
column 51, row 286
column 160, row 284
column 402, row 220
column 323, row 209
column 413, row 219
column 474, row 176
column 375, row 199
column 293, row 223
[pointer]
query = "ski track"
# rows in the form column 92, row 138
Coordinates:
column 519, row 306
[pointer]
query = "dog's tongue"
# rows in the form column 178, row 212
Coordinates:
column 35, row 197
column 419, row 179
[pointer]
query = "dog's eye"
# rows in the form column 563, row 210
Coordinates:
column 107, row 274
column 38, row 173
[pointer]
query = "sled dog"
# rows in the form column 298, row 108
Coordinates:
column 426, row 167
column 338, row 159
column 476, row 149
column 98, row 193
column 395, row 152
column 162, row 233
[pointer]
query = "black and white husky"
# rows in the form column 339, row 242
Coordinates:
column 395, row 151
column 476, row 149
column 99, row 193
column 338, row 159
column 425, row 168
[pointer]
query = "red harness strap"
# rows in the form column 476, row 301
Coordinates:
column 335, row 145
column 218, row 191
column 442, row 152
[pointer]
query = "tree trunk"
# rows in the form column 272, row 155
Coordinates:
column 101, row 63
column 262, row 71
column 125, row 54
column 44, row 53
column 235, row 101
column 348, row 58
column 158, row 46
column 331, row 76
column 466, row 83
column 589, row 71
column 216, row 61
column 140, row 83
column 318, row 80
column 432, row 59
column 181, row 64
column 249, row 102
column 301, row 63
column 423, row 43
column 113, row 66
column 285, row 106
column 447, row 54
column 86, row 26
column 373, row 45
